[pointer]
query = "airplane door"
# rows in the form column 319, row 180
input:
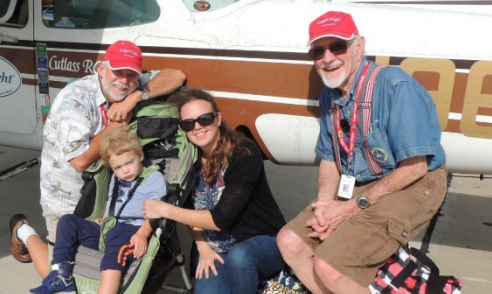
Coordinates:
column 17, row 69
column 45, row 44
column 73, row 34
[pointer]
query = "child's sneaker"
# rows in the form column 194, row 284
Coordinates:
column 59, row 280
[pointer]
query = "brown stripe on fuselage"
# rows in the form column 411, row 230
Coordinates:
column 30, row 82
column 58, row 85
column 238, row 71
column 21, row 58
column 257, row 78
column 238, row 112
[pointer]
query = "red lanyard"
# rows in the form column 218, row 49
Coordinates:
column 104, row 115
column 353, row 124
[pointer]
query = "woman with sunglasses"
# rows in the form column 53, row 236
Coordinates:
column 235, row 218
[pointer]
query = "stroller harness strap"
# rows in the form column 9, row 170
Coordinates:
column 114, row 195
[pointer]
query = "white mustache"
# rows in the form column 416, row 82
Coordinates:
column 331, row 66
column 120, row 85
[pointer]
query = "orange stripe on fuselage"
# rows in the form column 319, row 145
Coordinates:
column 252, row 75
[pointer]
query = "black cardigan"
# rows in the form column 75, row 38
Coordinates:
column 247, row 207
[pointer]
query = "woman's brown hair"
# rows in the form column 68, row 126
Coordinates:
column 229, row 139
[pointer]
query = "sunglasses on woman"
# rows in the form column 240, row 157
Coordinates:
column 204, row 120
column 336, row 48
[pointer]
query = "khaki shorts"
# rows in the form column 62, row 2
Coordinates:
column 51, row 217
column 362, row 244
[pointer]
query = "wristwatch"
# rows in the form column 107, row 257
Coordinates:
column 362, row 201
column 143, row 94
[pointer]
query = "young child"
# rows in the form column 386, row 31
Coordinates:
column 127, row 240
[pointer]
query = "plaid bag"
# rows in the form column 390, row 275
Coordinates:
column 409, row 271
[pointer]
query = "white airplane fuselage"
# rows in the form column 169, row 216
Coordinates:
column 251, row 55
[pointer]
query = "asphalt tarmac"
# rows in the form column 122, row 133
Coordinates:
column 460, row 242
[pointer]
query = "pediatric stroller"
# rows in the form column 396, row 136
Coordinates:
column 165, row 145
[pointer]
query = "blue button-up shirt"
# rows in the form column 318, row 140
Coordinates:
column 404, row 124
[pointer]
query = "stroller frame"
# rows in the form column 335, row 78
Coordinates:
column 156, row 126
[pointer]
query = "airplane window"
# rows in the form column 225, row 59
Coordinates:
column 98, row 14
column 207, row 5
column 4, row 5
column 16, row 18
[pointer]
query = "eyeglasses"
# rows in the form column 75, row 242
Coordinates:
column 204, row 120
column 336, row 48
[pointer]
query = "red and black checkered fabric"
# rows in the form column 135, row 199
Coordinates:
column 403, row 275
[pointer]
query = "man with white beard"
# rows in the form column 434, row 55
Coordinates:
column 381, row 176
column 82, row 113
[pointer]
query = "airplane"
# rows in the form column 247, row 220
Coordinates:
column 252, row 56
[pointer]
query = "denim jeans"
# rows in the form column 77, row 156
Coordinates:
column 245, row 265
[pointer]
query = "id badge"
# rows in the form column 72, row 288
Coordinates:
column 346, row 187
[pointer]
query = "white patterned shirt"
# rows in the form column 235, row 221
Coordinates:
column 74, row 119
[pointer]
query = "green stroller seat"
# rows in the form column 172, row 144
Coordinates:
column 164, row 145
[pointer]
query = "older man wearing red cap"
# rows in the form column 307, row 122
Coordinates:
column 82, row 113
column 381, row 176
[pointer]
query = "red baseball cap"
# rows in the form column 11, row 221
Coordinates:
column 333, row 24
column 124, row 55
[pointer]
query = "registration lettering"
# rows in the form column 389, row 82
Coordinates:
column 471, row 103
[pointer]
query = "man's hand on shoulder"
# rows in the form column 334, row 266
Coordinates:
column 166, row 81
